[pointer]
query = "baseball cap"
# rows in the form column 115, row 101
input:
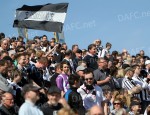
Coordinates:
column 147, row 62
column 54, row 89
column 80, row 68
column 29, row 87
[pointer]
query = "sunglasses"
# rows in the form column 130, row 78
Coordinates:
column 88, row 79
column 21, row 51
column 117, row 103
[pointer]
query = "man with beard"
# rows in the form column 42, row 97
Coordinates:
column 90, row 92
column 52, row 105
column 31, row 95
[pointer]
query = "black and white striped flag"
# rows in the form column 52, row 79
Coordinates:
column 49, row 17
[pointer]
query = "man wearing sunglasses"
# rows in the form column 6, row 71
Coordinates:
column 90, row 92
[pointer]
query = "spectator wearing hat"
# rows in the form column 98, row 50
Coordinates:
column 73, row 98
column 52, row 105
column 135, row 108
column 31, row 95
column 80, row 73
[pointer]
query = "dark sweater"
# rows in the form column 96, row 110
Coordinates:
column 91, row 62
column 50, row 109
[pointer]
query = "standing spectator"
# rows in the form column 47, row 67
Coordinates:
column 105, row 50
column 78, row 57
column 36, row 72
column 64, row 46
column 144, row 96
column 7, row 107
column 68, row 59
column 73, row 97
column 102, row 77
column 31, row 95
column 129, row 85
column 21, row 67
column 91, row 93
column 44, row 38
column 98, row 46
column 75, row 47
column 55, row 75
column 91, row 57
column 142, row 53
column 62, row 79
column 20, row 41
column 52, row 105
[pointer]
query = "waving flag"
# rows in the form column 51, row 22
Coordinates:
column 49, row 17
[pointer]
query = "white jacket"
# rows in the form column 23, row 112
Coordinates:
column 90, row 99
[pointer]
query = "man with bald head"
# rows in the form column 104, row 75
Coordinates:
column 96, row 110
column 7, row 107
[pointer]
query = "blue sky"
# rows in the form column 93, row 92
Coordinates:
column 124, row 23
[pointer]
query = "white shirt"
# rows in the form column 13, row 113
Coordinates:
column 28, row 108
column 88, row 98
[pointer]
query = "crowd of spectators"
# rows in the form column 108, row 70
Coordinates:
column 42, row 77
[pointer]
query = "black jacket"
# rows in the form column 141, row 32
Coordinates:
column 6, row 111
column 50, row 110
column 91, row 62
